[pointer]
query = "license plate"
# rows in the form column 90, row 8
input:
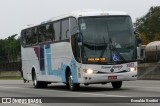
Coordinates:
column 112, row 77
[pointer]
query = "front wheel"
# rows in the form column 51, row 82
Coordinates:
column 72, row 86
column 117, row 85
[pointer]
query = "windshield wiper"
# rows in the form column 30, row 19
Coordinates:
column 102, row 53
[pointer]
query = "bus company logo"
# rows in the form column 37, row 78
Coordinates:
column 105, row 67
column 112, row 70
column 112, row 67
column 117, row 67
column 6, row 100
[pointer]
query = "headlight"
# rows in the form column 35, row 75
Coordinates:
column 133, row 69
column 88, row 71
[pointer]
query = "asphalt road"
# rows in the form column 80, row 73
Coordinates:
column 93, row 93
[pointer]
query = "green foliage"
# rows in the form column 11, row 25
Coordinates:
column 149, row 25
column 144, row 39
column 10, row 49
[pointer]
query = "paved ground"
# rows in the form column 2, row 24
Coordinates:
column 139, row 88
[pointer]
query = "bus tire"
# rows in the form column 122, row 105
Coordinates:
column 38, row 84
column 72, row 86
column 86, row 84
column 117, row 85
column 43, row 84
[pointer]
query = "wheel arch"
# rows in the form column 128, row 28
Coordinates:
column 33, row 71
column 67, row 71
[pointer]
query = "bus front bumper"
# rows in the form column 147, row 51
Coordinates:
column 106, row 78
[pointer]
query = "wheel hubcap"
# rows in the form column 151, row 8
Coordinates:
column 35, row 81
column 70, row 81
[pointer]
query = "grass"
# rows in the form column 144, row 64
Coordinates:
column 11, row 78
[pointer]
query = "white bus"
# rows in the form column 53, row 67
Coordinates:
column 83, row 47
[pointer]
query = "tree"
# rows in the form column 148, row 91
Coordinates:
column 144, row 39
column 149, row 24
column 9, row 49
column 157, row 37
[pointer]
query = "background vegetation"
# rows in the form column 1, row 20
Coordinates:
column 149, row 25
column 10, row 50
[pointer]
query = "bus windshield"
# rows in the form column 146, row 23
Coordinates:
column 107, row 39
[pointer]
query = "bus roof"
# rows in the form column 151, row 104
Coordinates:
column 88, row 12
column 83, row 13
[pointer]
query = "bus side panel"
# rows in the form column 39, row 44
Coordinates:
column 52, row 73
column 40, row 68
column 29, row 60
column 49, row 61
column 59, row 57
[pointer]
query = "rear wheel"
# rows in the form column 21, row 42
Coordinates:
column 35, row 82
column 38, row 84
column 72, row 86
column 117, row 85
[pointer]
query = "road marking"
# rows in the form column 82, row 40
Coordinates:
column 86, row 93
column 142, row 87
column 30, row 104
column 93, row 94
column 68, row 92
column 105, row 95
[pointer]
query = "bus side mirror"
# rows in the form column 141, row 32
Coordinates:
column 79, row 39
column 138, row 38
column 139, row 41
column 140, row 53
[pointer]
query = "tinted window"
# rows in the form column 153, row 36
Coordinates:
column 34, row 36
column 65, row 29
column 56, row 26
column 41, row 34
column 73, row 26
column 50, row 32
column 23, row 40
column 28, row 36
column 100, row 32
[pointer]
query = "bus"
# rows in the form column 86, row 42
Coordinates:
column 82, row 47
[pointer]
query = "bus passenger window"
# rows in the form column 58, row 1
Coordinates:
column 65, row 29
column 23, row 39
column 56, row 26
column 34, row 36
column 28, row 37
column 41, row 33
column 73, row 26
column 50, row 33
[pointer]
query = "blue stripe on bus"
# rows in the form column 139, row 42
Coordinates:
column 60, row 72
column 42, row 62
